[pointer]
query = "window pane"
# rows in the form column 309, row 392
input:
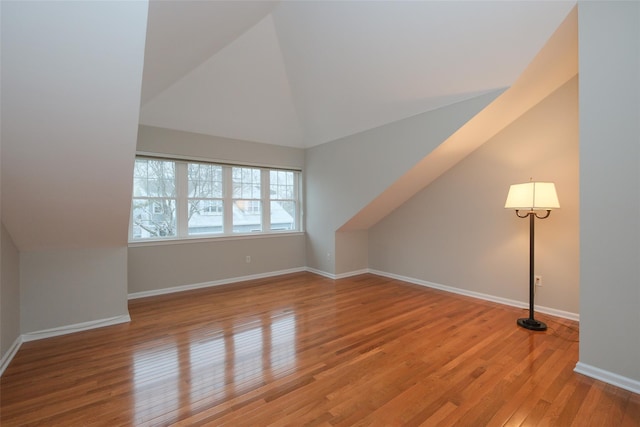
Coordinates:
column 205, row 217
column 154, row 218
column 246, row 183
column 282, row 185
column 247, row 216
column 205, row 181
column 154, row 178
column 283, row 214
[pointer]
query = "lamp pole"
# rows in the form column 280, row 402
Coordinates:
column 531, row 323
column 532, row 198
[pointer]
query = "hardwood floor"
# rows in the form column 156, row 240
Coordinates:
column 304, row 350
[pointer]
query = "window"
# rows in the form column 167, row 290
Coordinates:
column 205, row 198
column 283, row 193
column 153, row 212
column 247, row 199
column 180, row 199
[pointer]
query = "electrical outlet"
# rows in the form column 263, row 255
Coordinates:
column 328, row 256
column 248, row 259
column 538, row 280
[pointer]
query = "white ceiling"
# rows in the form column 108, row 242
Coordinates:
column 301, row 73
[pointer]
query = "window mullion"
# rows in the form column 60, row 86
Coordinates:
column 182, row 201
column 265, row 196
column 227, row 205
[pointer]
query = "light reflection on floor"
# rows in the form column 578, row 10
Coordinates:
column 156, row 375
column 244, row 356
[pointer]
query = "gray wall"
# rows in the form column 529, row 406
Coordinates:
column 161, row 265
column 69, row 127
column 197, row 146
column 457, row 233
column 71, row 286
column 152, row 268
column 609, row 40
column 9, row 294
column 351, row 252
column 343, row 176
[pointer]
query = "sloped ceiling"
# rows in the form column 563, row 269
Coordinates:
column 301, row 73
column 553, row 66
column 71, row 81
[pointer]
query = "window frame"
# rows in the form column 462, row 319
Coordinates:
column 295, row 199
column 182, row 200
column 154, row 201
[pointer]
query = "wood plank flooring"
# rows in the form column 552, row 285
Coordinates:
column 302, row 350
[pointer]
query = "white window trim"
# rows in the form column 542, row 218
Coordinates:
column 182, row 204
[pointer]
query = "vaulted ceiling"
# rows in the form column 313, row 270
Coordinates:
column 301, row 73
column 293, row 73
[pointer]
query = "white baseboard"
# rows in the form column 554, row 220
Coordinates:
column 486, row 297
column 608, row 377
column 337, row 276
column 69, row 329
column 352, row 273
column 182, row 288
column 321, row 273
column 513, row 303
column 8, row 357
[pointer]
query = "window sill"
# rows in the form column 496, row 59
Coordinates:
column 210, row 239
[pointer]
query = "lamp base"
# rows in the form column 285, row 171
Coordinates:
column 532, row 324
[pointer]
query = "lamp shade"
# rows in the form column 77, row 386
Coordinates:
column 532, row 196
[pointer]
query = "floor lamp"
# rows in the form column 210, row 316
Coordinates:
column 529, row 200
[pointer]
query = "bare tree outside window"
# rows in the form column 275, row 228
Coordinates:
column 206, row 203
column 154, row 198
